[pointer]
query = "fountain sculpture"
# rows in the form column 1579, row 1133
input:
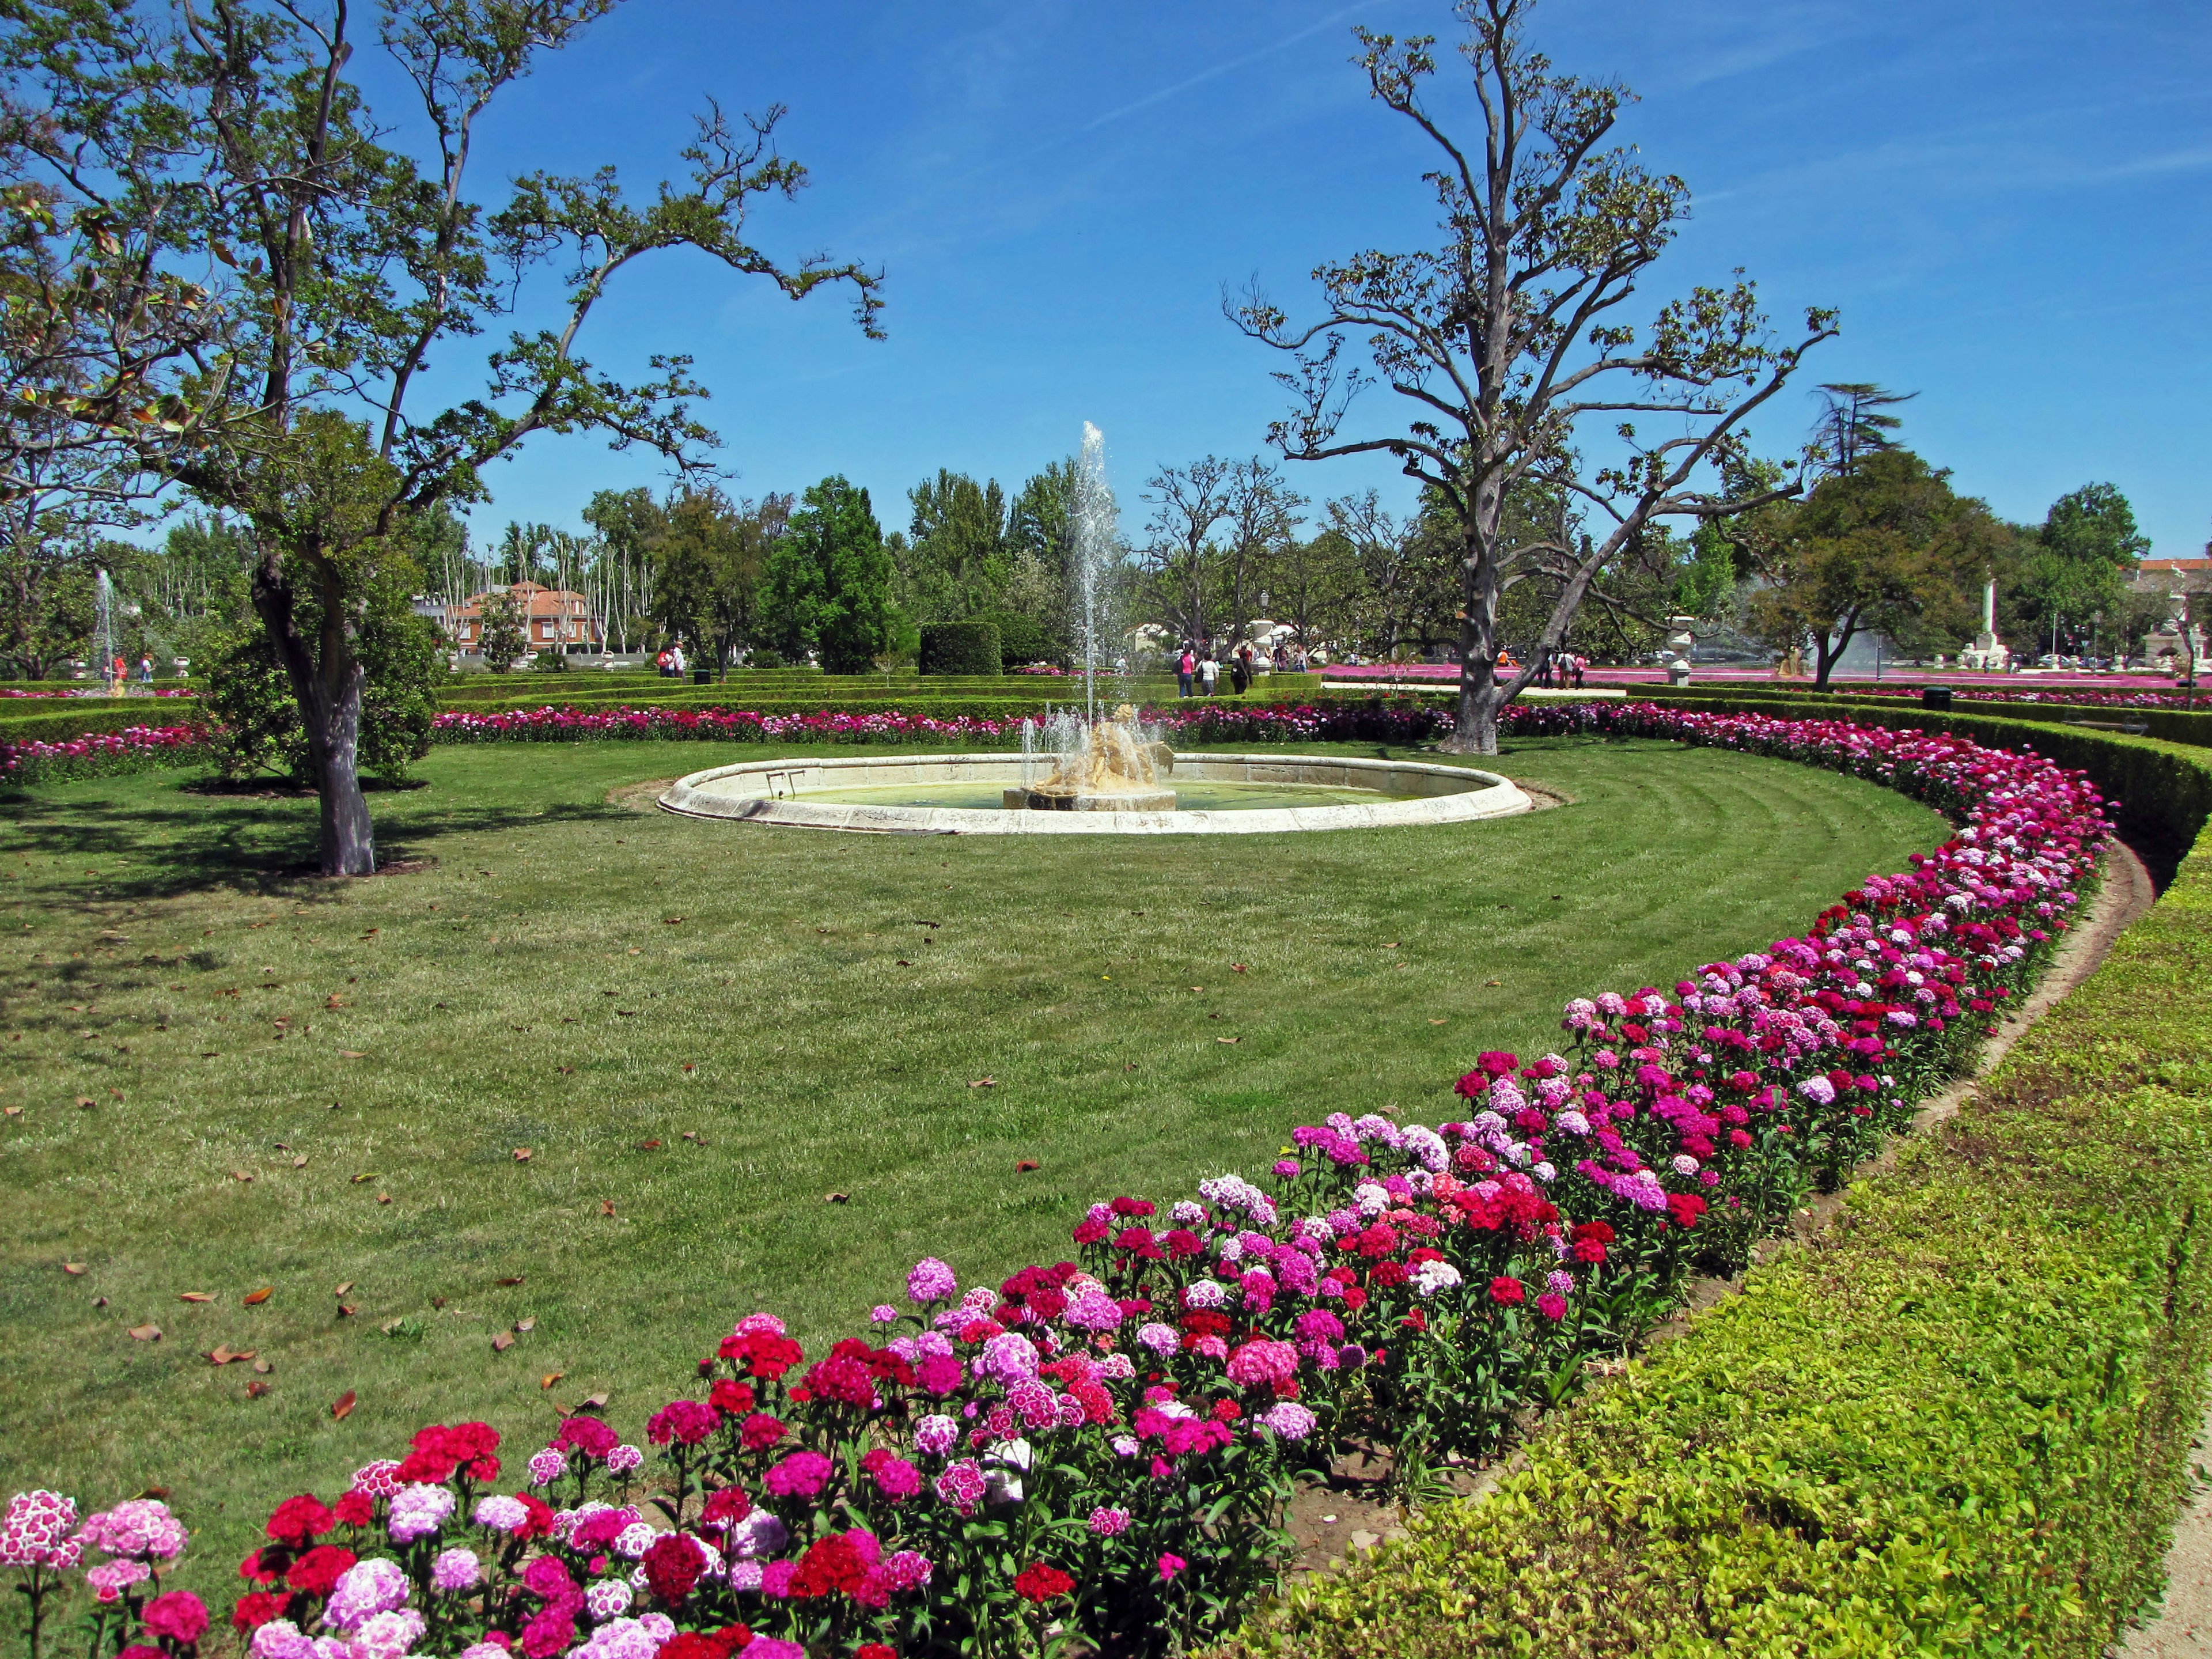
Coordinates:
column 1105, row 766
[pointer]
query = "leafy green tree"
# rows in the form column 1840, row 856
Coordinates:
column 48, row 605
column 1311, row 586
column 1504, row 337
column 1853, row 425
column 500, row 636
column 830, row 582
column 628, row 524
column 953, row 563
column 710, row 570
column 2076, row 572
column 1888, row 546
column 234, row 149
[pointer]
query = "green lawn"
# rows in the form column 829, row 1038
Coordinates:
column 599, row 983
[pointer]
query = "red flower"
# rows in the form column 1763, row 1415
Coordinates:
column 866, row 1650
column 830, row 1565
column 255, row 1570
column 761, row 1431
column 355, row 1509
column 687, row 1420
column 319, row 1569
column 700, row 1644
column 762, row 1353
column 299, row 1521
column 1506, row 1291
column 1042, row 1583
column 256, row 1608
column 540, row 1523
column 672, row 1566
column 1686, row 1208
column 733, row 1397
column 726, row 1506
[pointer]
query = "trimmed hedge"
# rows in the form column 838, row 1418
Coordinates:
column 58, row 721
column 1959, row 1423
column 2190, row 726
column 961, row 648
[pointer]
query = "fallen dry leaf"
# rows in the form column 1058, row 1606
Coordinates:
column 263, row 1367
column 86, row 1100
column 672, row 920
column 1493, row 981
column 689, row 1067
column 301, row 1162
column 1392, row 945
column 522, row 1155
column 241, row 1174
column 501, row 1343
column 594, row 1402
column 147, row 1333
column 352, row 1054
column 13, row 1111
column 1436, row 1022
column 344, row 1288
column 517, row 1279
column 366, row 1175
column 334, row 1001
column 903, row 962
column 72, row 1266
column 255, row 1298
column 1238, row 967
column 837, row 1198
column 341, row 1407
column 694, row 1135
column 1027, row 1166
column 1229, row 1039
column 526, row 1326
column 345, row 1309
column 226, row 1354
column 255, row 1390
column 384, row 1198
column 550, row 1378
column 984, row 1083
column 606, row 1206
column 565, row 1071
column 648, row 1145
column 194, row 1296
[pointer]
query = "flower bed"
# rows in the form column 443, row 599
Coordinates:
column 96, row 753
column 1364, row 721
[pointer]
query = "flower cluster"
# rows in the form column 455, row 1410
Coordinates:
column 1106, row 1442
column 97, row 753
column 1348, row 720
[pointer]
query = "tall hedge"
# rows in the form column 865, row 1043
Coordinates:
column 961, row 648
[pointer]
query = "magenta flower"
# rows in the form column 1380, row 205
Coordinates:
column 802, row 1475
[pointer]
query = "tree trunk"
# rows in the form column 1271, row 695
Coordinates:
column 1480, row 695
column 329, row 694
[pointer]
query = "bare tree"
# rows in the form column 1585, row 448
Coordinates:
column 1262, row 519
column 1188, row 503
column 1504, row 337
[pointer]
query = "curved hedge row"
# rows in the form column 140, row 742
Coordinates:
column 1957, row 1424
column 1100, row 1448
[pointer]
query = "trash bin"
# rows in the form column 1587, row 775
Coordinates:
column 702, row 677
column 1936, row 696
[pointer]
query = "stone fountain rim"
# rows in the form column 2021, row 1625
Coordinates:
column 1490, row 796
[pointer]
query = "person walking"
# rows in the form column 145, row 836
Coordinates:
column 1185, row 666
column 1580, row 662
column 145, row 671
column 676, row 663
column 1239, row 669
column 1209, row 673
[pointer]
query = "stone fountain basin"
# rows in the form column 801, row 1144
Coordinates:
column 772, row 791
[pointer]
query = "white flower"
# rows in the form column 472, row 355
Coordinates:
column 1431, row 1277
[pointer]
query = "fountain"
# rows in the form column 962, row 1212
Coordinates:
column 1105, row 766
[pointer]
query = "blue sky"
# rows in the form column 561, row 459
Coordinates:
column 2007, row 199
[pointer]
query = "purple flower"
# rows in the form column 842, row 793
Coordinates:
column 800, row 1475
column 1819, row 1090
column 418, row 1510
column 1109, row 1522
column 457, row 1569
column 931, row 1280
column 936, row 1435
column 1289, row 1420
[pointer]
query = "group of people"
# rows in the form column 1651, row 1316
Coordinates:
column 1198, row 666
column 671, row 662
column 1564, row 670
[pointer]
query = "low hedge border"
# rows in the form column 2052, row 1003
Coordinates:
column 2193, row 727
column 1959, row 1423
column 61, row 722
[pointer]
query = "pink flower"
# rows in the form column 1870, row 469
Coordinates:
column 1263, row 1362
column 110, row 1578
column 1109, row 1522
column 179, row 1616
column 931, row 1280
column 1170, row 1566
column 1551, row 1305
column 800, row 1475
column 35, row 1532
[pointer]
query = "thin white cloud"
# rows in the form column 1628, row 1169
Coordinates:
column 1228, row 67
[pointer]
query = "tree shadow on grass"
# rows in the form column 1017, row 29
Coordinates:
column 259, row 842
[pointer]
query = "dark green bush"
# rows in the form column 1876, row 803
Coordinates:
column 961, row 648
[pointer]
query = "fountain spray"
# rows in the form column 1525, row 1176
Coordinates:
column 1095, row 527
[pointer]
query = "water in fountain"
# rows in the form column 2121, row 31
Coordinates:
column 104, row 633
column 1097, row 525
